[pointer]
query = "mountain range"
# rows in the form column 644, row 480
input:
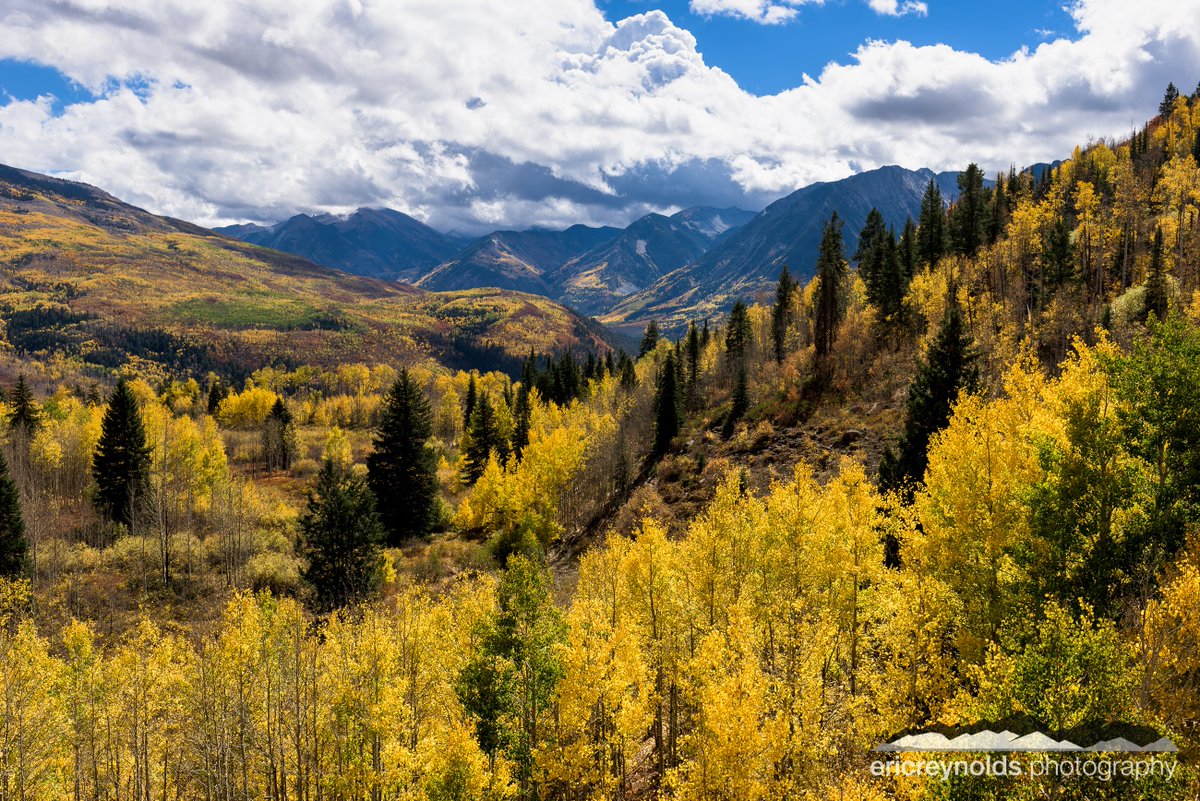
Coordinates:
column 88, row 277
column 690, row 265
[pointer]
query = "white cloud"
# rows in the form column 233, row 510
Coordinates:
column 766, row 12
column 775, row 12
column 895, row 8
column 475, row 114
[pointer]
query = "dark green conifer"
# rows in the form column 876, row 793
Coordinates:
column 279, row 438
column 907, row 250
column 649, row 339
column 969, row 216
column 522, row 413
column 628, row 373
column 13, row 547
column 831, row 274
column 469, row 402
column 121, row 466
column 25, row 415
column 931, row 228
column 341, row 537
column 482, row 439
column 1157, row 299
column 692, row 386
column 1168, row 102
column 948, row 370
column 402, row 468
column 741, row 404
column 668, row 414
column 781, row 313
column 737, row 333
column 870, row 236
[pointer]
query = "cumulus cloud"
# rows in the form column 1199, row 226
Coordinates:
column 775, row 12
column 477, row 114
column 765, row 12
column 894, row 8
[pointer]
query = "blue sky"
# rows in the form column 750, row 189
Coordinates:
column 765, row 59
column 478, row 114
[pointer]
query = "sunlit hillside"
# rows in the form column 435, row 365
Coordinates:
column 87, row 277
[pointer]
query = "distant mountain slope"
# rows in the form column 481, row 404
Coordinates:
column 788, row 231
column 89, row 277
column 380, row 243
column 713, row 224
column 644, row 252
column 517, row 260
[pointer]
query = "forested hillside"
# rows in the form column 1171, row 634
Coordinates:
column 953, row 480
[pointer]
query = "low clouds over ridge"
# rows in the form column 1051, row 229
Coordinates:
column 478, row 115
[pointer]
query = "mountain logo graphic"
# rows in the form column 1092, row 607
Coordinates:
column 1007, row 741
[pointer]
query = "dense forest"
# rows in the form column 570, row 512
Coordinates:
column 953, row 478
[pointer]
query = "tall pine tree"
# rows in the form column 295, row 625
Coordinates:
column 402, row 469
column 831, row 274
column 649, row 339
column 907, row 250
column 482, row 439
column 781, row 313
column 1157, row 298
column 13, row 547
column 741, row 404
column 668, row 413
column 340, row 536
column 948, row 370
column 931, row 228
column 121, row 466
column 25, row 415
column 692, row 387
column 279, row 437
column 737, row 333
column 970, row 215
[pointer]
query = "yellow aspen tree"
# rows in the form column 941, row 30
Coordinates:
column 35, row 760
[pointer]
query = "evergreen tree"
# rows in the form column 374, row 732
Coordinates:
column 483, row 437
column 831, row 273
column 1168, row 102
column 704, row 335
column 668, row 415
column 1157, row 298
column 870, row 236
column 13, row 546
column 402, row 468
column 781, row 313
column 469, row 402
column 931, row 228
column 25, row 416
column 217, row 392
column 121, row 466
column 948, row 370
column 1196, row 147
column 1057, row 259
column 907, row 250
column 884, row 277
column 628, row 373
column 999, row 212
column 741, row 404
column 279, row 438
column 649, row 339
column 737, row 333
column 969, row 215
column 341, row 536
column 693, row 367
column 522, row 415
